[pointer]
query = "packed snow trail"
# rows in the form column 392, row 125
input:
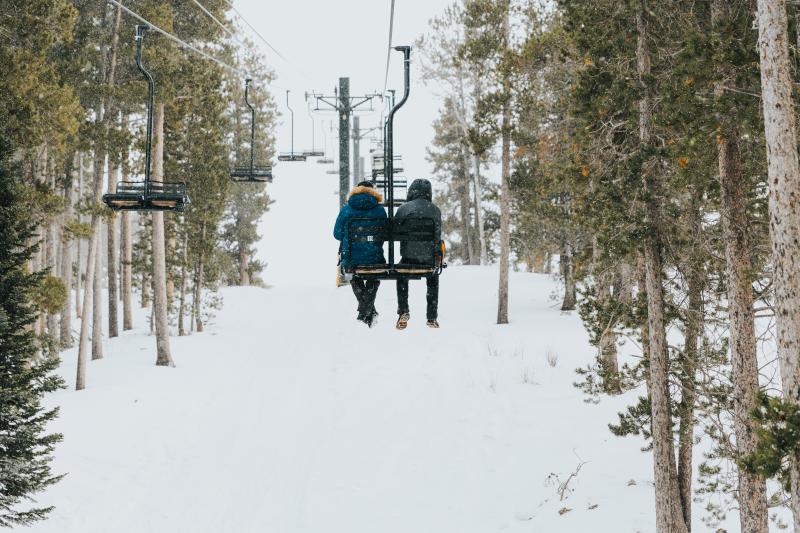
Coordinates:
column 288, row 416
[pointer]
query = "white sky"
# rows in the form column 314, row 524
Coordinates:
column 324, row 40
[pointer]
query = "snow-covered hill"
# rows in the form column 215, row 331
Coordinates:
column 287, row 416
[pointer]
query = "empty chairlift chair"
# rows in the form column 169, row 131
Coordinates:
column 147, row 195
column 252, row 173
column 291, row 156
column 314, row 152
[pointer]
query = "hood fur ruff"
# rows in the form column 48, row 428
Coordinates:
column 366, row 190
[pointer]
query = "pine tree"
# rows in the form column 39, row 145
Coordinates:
column 26, row 444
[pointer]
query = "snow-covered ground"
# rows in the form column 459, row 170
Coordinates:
column 288, row 416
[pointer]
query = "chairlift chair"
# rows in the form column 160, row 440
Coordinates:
column 325, row 161
column 252, row 173
column 147, row 195
column 391, row 229
column 291, row 156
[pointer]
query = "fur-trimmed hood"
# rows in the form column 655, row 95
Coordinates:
column 364, row 198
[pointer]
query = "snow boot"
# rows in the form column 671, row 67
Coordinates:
column 433, row 324
column 402, row 321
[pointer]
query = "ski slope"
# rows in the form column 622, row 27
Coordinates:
column 288, row 416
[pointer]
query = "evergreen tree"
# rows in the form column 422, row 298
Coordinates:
column 25, row 443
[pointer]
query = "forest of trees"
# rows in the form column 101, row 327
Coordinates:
column 647, row 151
column 72, row 125
column 643, row 152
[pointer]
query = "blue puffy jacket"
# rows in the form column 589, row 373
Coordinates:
column 363, row 202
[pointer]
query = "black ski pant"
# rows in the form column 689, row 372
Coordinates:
column 365, row 291
column 433, row 296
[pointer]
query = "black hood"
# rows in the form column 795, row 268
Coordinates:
column 420, row 189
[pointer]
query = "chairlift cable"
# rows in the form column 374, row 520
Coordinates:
column 215, row 19
column 389, row 48
column 269, row 45
column 184, row 44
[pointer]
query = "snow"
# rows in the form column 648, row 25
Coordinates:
column 288, row 416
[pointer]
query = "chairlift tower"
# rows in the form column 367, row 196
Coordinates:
column 344, row 105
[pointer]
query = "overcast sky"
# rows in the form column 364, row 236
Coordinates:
column 324, row 40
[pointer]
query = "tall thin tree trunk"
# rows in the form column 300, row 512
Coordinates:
column 113, row 257
column 688, row 362
column 66, row 253
column 127, row 272
column 607, row 344
column 567, row 271
column 464, row 204
column 97, row 280
column 164, row 356
column 78, row 242
column 505, row 188
column 244, row 272
column 738, row 269
column 80, row 381
column 127, row 251
column 198, row 286
column 783, row 171
column 113, row 168
column 182, row 306
column 669, row 514
column 477, row 185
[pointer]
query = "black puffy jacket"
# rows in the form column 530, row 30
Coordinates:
column 419, row 205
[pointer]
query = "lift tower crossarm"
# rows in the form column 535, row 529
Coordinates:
column 344, row 105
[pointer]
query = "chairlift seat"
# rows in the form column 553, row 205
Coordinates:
column 134, row 196
column 332, row 172
column 313, row 153
column 376, row 172
column 292, row 157
column 255, row 174
column 412, row 229
column 325, row 161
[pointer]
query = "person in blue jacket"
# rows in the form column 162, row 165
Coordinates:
column 363, row 202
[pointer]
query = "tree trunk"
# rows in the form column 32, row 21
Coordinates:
column 669, row 514
column 80, row 381
column 464, row 204
column 607, row 344
column 752, row 496
column 198, row 286
column 113, row 168
column 182, row 305
column 688, row 362
column 78, row 241
column 127, row 251
column 66, row 254
column 505, row 188
column 113, row 257
column 127, row 272
column 567, row 271
column 477, row 186
column 784, row 189
column 244, row 271
column 164, row 357
column 97, row 280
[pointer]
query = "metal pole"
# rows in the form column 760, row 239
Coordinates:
column 356, row 150
column 292, row 112
column 252, row 126
column 389, row 163
column 150, row 90
column 344, row 139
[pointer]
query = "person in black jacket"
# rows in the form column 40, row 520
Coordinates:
column 419, row 204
